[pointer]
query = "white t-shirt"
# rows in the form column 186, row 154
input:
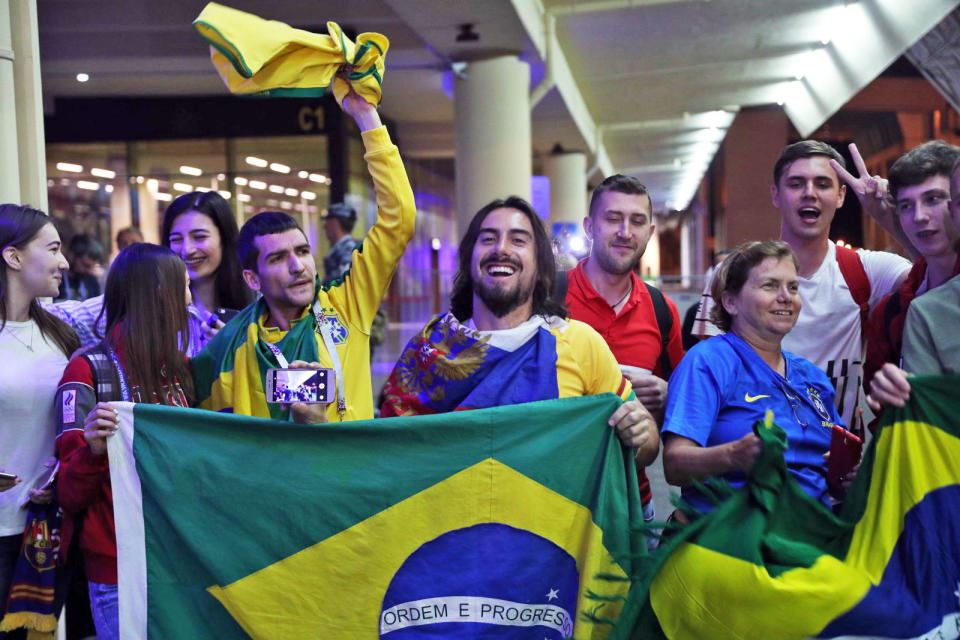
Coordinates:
column 828, row 331
column 28, row 382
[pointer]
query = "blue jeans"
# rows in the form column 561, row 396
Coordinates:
column 106, row 614
column 648, row 516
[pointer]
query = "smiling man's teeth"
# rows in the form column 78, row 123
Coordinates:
column 501, row 271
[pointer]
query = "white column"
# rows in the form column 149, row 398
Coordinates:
column 492, row 121
column 29, row 104
column 650, row 262
column 568, row 186
column 9, row 156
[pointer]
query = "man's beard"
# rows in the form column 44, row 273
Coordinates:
column 610, row 264
column 500, row 300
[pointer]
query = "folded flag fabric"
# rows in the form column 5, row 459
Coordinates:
column 497, row 523
column 771, row 562
column 31, row 600
column 269, row 58
column 448, row 367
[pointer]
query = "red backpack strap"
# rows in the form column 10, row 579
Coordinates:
column 856, row 278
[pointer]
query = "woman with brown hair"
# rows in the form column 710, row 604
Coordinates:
column 200, row 228
column 34, row 347
column 140, row 359
column 726, row 383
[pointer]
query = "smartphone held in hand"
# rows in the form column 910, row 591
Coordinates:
column 313, row 386
column 845, row 449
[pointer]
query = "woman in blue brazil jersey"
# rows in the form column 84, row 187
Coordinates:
column 726, row 383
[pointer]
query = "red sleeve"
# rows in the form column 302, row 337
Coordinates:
column 78, row 370
column 82, row 475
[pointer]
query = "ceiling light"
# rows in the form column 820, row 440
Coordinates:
column 109, row 188
column 435, row 244
column 221, row 176
column 82, row 77
column 225, row 194
column 182, row 186
column 255, row 161
column 240, row 180
column 153, row 185
column 165, row 197
column 279, row 168
column 89, row 186
column 139, row 179
column 67, row 166
column 190, row 171
column 244, row 197
column 317, row 177
column 286, row 205
column 308, row 195
column 291, row 192
column 103, row 173
column 302, row 174
column 275, row 188
column 258, row 184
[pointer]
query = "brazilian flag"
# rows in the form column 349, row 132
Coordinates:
column 497, row 523
column 772, row 562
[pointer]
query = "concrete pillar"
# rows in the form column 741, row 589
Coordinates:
column 686, row 251
column 9, row 155
column 568, row 186
column 29, row 103
column 492, row 134
column 750, row 150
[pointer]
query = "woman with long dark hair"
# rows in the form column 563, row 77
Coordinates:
column 35, row 347
column 141, row 359
column 200, row 227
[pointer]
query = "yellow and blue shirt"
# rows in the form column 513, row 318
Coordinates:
column 229, row 372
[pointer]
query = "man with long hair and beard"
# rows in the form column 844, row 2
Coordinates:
column 505, row 340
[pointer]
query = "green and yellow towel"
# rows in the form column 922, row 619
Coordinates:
column 269, row 58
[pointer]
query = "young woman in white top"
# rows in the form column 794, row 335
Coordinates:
column 34, row 350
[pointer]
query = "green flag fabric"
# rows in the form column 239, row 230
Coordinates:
column 496, row 523
column 771, row 562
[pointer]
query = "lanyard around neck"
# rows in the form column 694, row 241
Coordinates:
column 323, row 328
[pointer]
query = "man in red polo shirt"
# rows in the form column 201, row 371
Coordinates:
column 604, row 291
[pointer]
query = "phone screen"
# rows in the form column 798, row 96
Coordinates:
column 299, row 385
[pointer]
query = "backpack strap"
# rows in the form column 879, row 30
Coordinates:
column 664, row 324
column 105, row 381
column 851, row 267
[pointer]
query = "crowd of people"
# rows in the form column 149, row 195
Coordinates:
column 198, row 321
